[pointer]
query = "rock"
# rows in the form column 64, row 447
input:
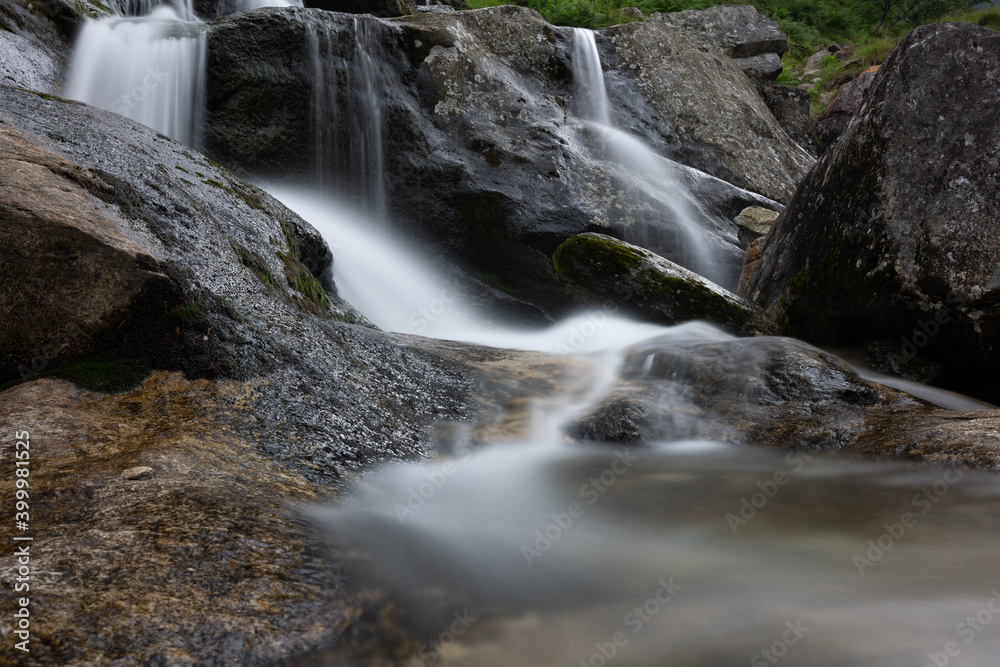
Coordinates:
column 830, row 124
column 82, row 272
column 811, row 68
column 382, row 8
column 893, row 235
column 782, row 392
column 633, row 13
column 750, row 260
column 26, row 64
column 493, row 180
column 602, row 271
column 139, row 472
column 790, row 106
column 754, row 222
column 764, row 66
column 248, row 395
column 738, row 31
column 752, row 40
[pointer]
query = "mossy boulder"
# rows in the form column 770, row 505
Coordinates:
column 895, row 234
column 599, row 270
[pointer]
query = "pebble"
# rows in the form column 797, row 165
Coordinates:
column 139, row 472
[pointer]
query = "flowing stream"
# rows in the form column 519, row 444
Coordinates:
column 532, row 549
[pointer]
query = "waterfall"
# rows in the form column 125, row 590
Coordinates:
column 347, row 116
column 685, row 242
column 149, row 68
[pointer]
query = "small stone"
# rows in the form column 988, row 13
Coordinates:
column 139, row 472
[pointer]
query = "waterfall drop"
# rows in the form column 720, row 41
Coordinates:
column 686, row 239
column 149, row 68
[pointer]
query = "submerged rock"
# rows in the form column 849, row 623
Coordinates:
column 786, row 394
column 602, row 271
column 894, row 234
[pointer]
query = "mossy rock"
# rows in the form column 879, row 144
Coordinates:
column 599, row 270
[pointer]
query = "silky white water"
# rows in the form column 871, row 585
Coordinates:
column 686, row 237
column 148, row 68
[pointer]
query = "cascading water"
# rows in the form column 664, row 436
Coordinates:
column 685, row 237
column 347, row 116
column 149, row 63
column 150, row 68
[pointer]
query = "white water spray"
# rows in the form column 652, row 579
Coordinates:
column 686, row 238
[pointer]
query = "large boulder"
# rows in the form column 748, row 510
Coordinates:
column 894, row 234
column 602, row 271
column 741, row 32
column 475, row 134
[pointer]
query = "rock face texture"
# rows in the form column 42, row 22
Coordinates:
column 27, row 64
column 738, row 31
column 477, row 127
column 830, row 124
column 380, row 8
column 601, row 271
column 894, row 235
column 784, row 392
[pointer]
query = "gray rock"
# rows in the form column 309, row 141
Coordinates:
column 790, row 106
column 602, row 271
column 894, row 234
column 754, row 222
column 739, row 31
column 26, row 64
column 382, row 8
column 762, row 66
column 496, row 180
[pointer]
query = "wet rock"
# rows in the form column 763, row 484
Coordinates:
column 138, row 472
column 382, row 8
column 26, row 64
column 695, row 93
column 602, row 271
column 893, row 235
column 783, row 393
column 492, row 179
column 750, row 260
column 830, row 124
